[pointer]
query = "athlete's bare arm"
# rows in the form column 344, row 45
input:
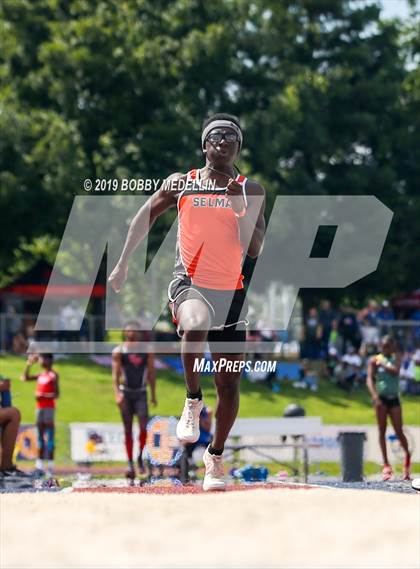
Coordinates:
column 370, row 380
column 116, row 374
column 251, row 225
column 151, row 377
column 161, row 201
column 27, row 376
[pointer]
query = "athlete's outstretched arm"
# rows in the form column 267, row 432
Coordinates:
column 162, row 200
column 252, row 225
column 26, row 376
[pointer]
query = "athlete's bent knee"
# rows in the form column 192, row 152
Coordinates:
column 193, row 316
column 195, row 323
column 13, row 414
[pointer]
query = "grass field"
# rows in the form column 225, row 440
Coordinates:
column 86, row 395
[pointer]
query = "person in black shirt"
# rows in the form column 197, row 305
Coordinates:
column 312, row 335
column 131, row 372
column 348, row 328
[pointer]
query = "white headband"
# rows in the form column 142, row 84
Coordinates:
column 220, row 124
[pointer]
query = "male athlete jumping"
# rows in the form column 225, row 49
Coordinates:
column 131, row 372
column 220, row 216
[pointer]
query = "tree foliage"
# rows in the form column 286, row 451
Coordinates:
column 328, row 93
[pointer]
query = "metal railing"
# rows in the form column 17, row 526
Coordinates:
column 406, row 332
column 92, row 329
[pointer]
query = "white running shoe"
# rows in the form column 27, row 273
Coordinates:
column 188, row 427
column 415, row 484
column 214, row 478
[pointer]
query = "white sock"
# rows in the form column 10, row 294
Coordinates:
column 39, row 464
column 50, row 465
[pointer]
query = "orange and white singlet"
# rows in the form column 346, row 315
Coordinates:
column 209, row 249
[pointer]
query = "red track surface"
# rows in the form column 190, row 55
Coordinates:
column 190, row 489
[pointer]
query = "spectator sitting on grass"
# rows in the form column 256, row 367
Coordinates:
column 353, row 363
column 332, row 362
column 258, row 375
column 348, row 372
column 308, row 377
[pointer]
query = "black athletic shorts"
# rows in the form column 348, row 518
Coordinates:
column 134, row 403
column 390, row 402
column 228, row 310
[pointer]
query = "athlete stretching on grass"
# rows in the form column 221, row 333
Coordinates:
column 9, row 428
column 131, row 372
column 383, row 385
column 220, row 216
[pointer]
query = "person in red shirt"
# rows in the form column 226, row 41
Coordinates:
column 47, row 391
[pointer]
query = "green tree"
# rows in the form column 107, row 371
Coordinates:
column 328, row 92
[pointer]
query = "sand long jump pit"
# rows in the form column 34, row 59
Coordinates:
column 271, row 527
